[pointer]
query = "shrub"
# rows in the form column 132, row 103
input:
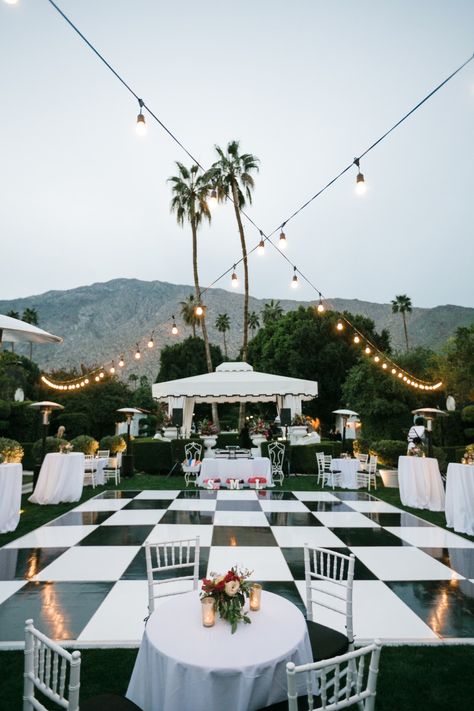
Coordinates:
column 24, row 422
column 5, row 409
column 11, row 451
column 467, row 414
column 74, row 422
column 114, row 443
column 28, row 460
column 53, row 444
column 153, row 456
column 469, row 433
column 361, row 446
column 85, row 444
column 388, row 450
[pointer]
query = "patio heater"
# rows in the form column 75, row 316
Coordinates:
column 344, row 415
column 430, row 414
column 45, row 407
column 127, row 458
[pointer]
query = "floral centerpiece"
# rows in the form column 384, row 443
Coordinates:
column 66, row 448
column 468, row 455
column 229, row 592
column 417, row 450
column 259, row 427
column 208, row 428
column 298, row 421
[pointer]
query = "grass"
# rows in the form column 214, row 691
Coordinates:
column 410, row 678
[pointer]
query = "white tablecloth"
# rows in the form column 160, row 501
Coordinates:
column 10, row 496
column 348, row 469
column 460, row 498
column 183, row 665
column 235, row 468
column 420, row 483
column 98, row 465
column 60, row 480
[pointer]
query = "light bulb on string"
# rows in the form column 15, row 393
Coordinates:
column 174, row 328
column 212, row 199
column 101, row 374
column 261, row 245
column 367, row 350
column 340, row 325
column 356, row 339
column 361, row 187
column 320, row 306
column 394, row 371
column 151, row 342
column 199, row 310
column 112, row 368
column 294, row 281
column 97, row 378
column 121, row 362
column 234, row 280
column 141, row 124
column 376, row 359
column 138, row 355
column 86, row 381
column 384, row 366
column 282, row 243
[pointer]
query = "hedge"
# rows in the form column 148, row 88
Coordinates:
column 28, row 459
column 152, row 456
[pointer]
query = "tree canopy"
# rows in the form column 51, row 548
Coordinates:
column 182, row 360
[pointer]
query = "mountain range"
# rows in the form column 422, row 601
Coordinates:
column 101, row 321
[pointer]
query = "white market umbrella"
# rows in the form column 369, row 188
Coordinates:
column 14, row 330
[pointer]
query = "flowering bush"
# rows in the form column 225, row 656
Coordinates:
column 259, row 427
column 229, row 592
column 207, row 428
column 85, row 444
column 114, row 443
column 11, row 451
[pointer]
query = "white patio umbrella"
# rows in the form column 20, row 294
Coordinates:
column 14, row 330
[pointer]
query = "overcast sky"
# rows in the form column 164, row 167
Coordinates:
column 305, row 85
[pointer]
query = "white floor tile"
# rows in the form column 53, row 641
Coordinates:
column 121, row 615
column 430, row 537
column 297, row 536
column 175, row 532
column 240, row 518
column 345, row 519
column 163, row 494
column 9, row 587
column 402, row 563
column 372, row 507
column 90, row 563
column 236, row 494
column 283, row 505
column 193, row 505
column 135, row 517
column 103, row 505
column 266, row 562
column 315, row 496
column 52, row 537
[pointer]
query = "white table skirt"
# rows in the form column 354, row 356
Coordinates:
column 348, row 469
column 420, row 483
column 60, row 480
column 10, row 496
column 183, row 665
column 460, row 498
column 235, row 468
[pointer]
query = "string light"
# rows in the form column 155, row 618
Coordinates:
column 261, row 245
column 111, row 369
column 174, row 328
column 234, row 280
column 138, row 355
column 101, row 374
column 141, row 124
column 97, row 378
column 361, row 187
column 199, row 310
column 121, row 362
column 340, row 325
column 151, row 342
column 282, row 243
column 356, row 339
column 294, row 281
column 376, row 359
column 367, row 350
column 212, row 199
column 320, row 306
column 384, row 366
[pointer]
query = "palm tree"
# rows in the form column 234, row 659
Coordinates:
column 30, row 316
column 187, row 313
column 189, row 202
column 401, row 305
column 254, row 322
column 13, row 314
column 272, row 312
column 223, row 324
column 232, row 177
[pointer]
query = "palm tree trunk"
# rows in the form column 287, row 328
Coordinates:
column 215, row 414
column 193, row 326
column 405, row 329
column 31, row 351
column 225, row 345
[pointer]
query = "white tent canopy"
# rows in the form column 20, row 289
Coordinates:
column 15, row 330
column 234, row 382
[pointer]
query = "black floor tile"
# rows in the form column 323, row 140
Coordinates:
column 137, row 568
column 188, row 517
column 147, row 504
column 118, row 494
column 294, row 558
column 367, row 537
column 117, row 536
column 197, row 495
column 242, row 536
column 459, row 559
column 291, row 518
column 60, row 610
column 396, row 519
column 268, row 495
column 327, row 506
column 447, row 606
column 237, row 505
column 24, row 563
column 287, row 590
column 81, row 518
column 353, row 495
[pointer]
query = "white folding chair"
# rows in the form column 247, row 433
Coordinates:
column 89, row 470
column 320, row 464
column 192, row 450
column 103, row 454
column 112, row 470
column 162, row 558
column 368, row 476
column 276, row 452
column 329, row 580
column 341, row 682
column 55, row 673
column 363, row 460
column 330, row 476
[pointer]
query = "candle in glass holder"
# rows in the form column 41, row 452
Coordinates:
column 255, row 596
column 208, row 611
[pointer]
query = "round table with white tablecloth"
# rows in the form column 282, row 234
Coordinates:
column 348, row 469
column 10, row 496
column 460, row 498
column 98, row 465
column 61, row 479
column 183, row 665
column 224, row 469
column 420, row 483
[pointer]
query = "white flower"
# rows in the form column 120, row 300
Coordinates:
column 232, row 588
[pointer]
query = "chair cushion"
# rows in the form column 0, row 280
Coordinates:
column 109, row 702
column 326, row 642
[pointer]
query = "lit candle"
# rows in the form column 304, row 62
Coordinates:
column 255, row 596
column 208, row 611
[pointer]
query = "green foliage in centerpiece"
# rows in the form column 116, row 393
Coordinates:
column 229, row 592
column 11, row 451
